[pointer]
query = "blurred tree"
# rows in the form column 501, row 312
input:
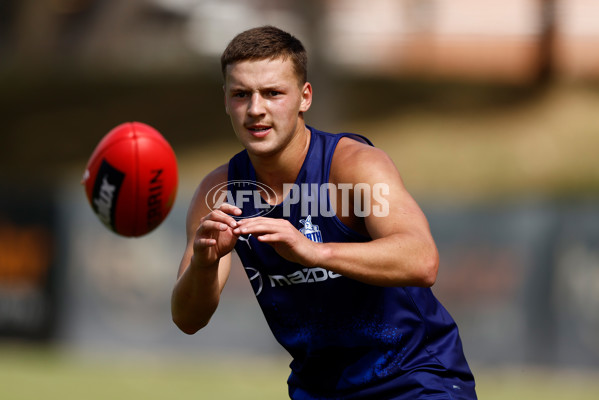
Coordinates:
column 548, row 22
column 324, row 111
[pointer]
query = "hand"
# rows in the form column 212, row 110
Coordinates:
column 287, row 241
column 214, row 237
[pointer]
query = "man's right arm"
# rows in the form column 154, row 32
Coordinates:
column 206, row 262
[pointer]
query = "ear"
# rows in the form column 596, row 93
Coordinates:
column 306, row 97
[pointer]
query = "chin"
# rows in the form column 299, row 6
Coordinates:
column 261, row 149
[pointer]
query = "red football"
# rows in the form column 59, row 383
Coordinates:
column 131, row 179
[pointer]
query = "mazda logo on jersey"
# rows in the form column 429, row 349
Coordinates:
column 255, row 279
column 303, row 276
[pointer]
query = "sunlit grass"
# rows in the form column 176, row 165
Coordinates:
column 50, row 375
column 31, row 374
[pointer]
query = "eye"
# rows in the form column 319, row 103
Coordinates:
column 239, row 94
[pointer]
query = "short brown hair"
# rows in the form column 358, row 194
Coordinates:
column 266, row 42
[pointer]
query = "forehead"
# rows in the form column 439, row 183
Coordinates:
column 257, row 73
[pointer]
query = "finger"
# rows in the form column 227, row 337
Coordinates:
column 229, row 209
column 269, row 238
column 220, row 216
column 259, row 219
column 255, row 224
column 206, row 242
column 257, row 227
column 208, row 226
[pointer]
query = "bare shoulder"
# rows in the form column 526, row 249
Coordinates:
column 215, row 177
column 354, row 160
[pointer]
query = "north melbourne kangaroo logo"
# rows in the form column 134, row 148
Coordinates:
column 310, row 231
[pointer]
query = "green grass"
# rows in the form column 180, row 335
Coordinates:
column 520, row 383
column 48, row 375
column 40, row 373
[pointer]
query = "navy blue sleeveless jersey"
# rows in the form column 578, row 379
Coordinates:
column 348, row 340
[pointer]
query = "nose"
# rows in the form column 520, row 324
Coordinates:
column 256, row 105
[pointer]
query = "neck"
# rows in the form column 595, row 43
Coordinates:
column 283, row 167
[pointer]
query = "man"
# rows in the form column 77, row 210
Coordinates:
column 344, row 255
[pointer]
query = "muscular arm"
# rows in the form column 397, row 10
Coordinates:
column 402, row 251
column 206, row 262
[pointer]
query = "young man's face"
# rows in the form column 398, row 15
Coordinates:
column 265, row 102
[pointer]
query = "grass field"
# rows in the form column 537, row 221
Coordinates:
column 33, row 374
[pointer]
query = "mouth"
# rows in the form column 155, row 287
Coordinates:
column 259, row 131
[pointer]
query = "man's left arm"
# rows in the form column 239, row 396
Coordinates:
column 402, row 251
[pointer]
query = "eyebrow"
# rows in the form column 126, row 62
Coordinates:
column 266, row 88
